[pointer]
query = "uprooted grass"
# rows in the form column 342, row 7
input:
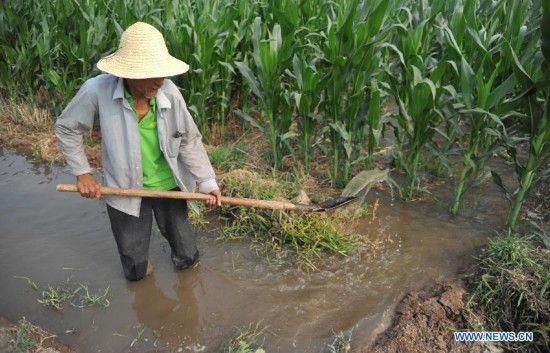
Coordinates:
column 512, row 292
column 77, row 294
column 294, row 236
column 247, row 340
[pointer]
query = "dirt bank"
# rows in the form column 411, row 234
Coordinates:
column 31, row 131
column 26, row 337
column 424, row 322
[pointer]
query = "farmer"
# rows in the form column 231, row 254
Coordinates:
column 149, row 141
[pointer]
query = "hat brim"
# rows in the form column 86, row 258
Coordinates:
column 134, row 68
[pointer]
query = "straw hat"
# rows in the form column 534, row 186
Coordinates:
column 142, row 53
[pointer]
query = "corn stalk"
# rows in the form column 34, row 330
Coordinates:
column 271, row 58
column 308, row 98
column 350, row 51
column 483, row 112
column 413, row 80
column 537, row 123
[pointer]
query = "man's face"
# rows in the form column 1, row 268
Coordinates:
column 147, row 87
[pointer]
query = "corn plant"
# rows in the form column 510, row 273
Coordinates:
column 536, row 123
column 308, row 98
column 46, row 53
column 271, row 58
column 196, row 42
column 246, row 12
column 489, row 44
column 419, row 96
column 478, row 40
column 226, row 54
column 418, row 117
column 482, row 114
column 374, row 122
column 350, row 50
column 19, row 67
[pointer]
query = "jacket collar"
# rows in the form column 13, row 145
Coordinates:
column 162, row 100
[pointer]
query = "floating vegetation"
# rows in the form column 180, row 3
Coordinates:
column 77, row 294
column 140, row 330
column 247, row 340
column 341, row 343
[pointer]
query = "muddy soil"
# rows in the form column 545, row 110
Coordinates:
column 424, row 322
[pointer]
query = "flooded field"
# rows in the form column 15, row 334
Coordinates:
column 49, row 237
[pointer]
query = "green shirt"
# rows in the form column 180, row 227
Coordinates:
column 157, row 174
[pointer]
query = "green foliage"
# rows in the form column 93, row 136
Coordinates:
column 77, row 294
column 349, row 49
column 308, row 99
column 483, row 103
column 271, row 57
column 247, row 340
column 210, row 35
column 56, row 297
column 303, row 237
column 138, row 338
column 91, row 140
column 419, row 93
column 226, row 158
column 21, row 338
column 511, row 290
column 535, row 124
column 85, row 298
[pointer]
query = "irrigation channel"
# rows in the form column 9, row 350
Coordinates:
column 49, row 237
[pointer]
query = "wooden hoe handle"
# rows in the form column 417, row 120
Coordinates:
column 274, row 205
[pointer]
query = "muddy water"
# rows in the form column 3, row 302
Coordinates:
column 49, row 237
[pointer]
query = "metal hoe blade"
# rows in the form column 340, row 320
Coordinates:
column 328, row 204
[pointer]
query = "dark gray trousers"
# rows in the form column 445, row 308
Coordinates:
column 133, row 234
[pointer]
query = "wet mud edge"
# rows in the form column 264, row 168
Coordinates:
column 44, row 342
column 425, row 320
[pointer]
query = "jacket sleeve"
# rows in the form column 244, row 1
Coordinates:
column 77, row 119
column 192, row 153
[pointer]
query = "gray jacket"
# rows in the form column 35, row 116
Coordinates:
column 102, row 99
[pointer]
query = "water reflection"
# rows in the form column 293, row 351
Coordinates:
column 172, row 318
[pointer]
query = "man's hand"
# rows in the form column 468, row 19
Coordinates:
column 88, row 186
column 217, row 201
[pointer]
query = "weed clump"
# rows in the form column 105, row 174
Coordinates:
column 512, row 292
column 77, row 294
column 299, row 236
column 26, row 337
column 226, row 158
